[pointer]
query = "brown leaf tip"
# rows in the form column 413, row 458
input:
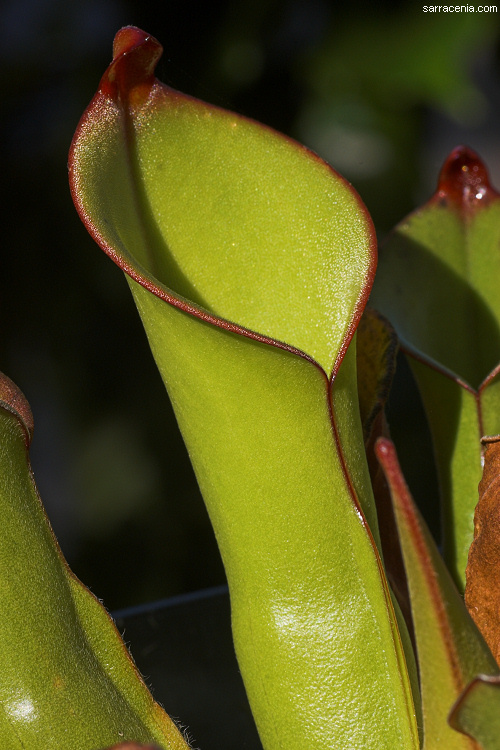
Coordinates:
column 131, row 74
column 482, row 589
column 14, row 400
column 488, row 439
column 464, row 180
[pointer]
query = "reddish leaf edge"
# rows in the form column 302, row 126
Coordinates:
column 412, row 351
column 401, row 497
column 127, row 81
column 130, row 78
column 476, row 394
column 12, row 399
column 130, row 74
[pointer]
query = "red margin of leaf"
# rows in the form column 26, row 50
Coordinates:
column 130, row 76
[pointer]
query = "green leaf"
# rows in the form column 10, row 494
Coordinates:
column 66, row 678
column 477, row 712
column 437, row 285
column 209, row 184
column 250, row 261
column 450, row 649
column 453, row 417
column 305, row 582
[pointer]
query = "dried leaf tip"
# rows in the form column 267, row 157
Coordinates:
column 131, row 73
column 14, row 400
column 464, row 180
column 482, row 590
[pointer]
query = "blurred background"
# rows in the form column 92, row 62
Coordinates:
column 382, row 91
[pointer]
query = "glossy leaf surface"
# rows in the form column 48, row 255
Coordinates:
column 450, row 650
column 250, row 263
column 66, row 678
column 224, row 203
column 437, row 284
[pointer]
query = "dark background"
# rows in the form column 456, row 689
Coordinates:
column 383, row 92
